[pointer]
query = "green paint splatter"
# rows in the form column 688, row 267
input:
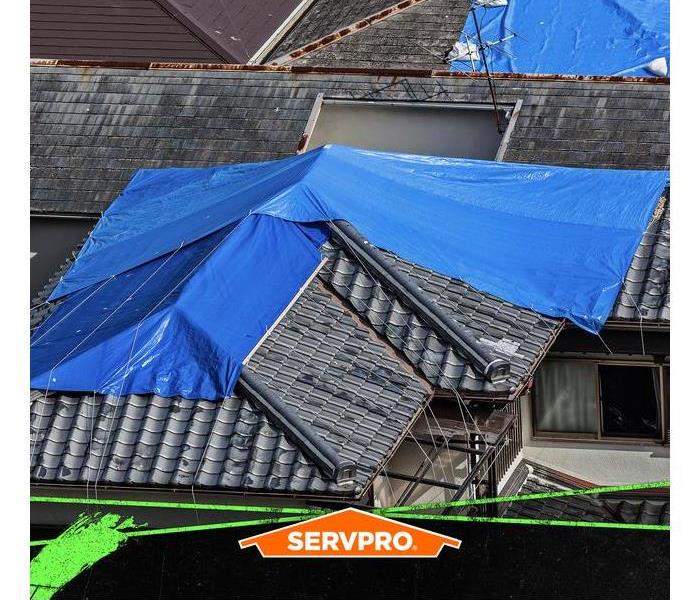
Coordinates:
column 87, row 540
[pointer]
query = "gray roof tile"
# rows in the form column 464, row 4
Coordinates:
column 645, row 293
column 640, row 509
column 517, row 335
column 148, row 440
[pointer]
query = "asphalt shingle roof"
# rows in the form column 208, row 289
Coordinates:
column 418, row 37
column 92, row 128
column 204, row 31
column 324, row 17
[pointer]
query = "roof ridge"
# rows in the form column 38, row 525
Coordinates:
column 346, row 31
column 420, row 73
column 483, row 359
column 320, row 452
column 198, row 32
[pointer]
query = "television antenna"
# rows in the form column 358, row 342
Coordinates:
column 474, row 51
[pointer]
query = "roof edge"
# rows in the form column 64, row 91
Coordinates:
column 402, row 72
column 268, row 47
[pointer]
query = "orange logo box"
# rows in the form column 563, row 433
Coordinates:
column 350, row 533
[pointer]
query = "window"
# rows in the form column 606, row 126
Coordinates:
column 51, row 241
column 598, row 400
column 430, row 128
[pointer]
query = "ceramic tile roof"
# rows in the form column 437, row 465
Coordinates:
column 628, row 508
column 320, row 361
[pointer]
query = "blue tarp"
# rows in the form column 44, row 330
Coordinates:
column 597, row 37
column 557, row 240
column 181, row 324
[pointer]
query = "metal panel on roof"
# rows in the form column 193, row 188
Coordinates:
column 114, row 30
column 240, row 27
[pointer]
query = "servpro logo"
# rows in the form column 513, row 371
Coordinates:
column 350, row 533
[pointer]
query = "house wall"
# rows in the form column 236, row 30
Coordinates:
column 598, row 462
column 51, row 241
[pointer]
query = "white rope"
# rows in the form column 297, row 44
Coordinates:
column 391, row 487
column 133, row 342
column 420, row 447
column 70, row 312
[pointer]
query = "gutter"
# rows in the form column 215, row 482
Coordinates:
column 325, row 457
column 403, row 72
column 482, row 358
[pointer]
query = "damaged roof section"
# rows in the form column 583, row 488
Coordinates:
column 332, row 372
column 515, row 336
column 415, row 35
column 352, row 360
column 204, row 31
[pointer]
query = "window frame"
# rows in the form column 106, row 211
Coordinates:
column 511, row 110
column 662, row 407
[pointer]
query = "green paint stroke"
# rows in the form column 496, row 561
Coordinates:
column 206, row 527
column 87, row 540
column 92, row 537
column 539, row 496
column 178, row 505
column 519, row 521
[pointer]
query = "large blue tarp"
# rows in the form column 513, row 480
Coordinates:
column 180, row 324
column 597, row 37
column 555, row 239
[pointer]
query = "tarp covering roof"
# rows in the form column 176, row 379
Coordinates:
column 554, row 239
column 598, row 37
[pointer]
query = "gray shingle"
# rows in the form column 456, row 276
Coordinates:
column 327, row 16
column 92, row 128
column 418, row 37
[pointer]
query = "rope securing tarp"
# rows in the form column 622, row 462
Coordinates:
column 189, row 267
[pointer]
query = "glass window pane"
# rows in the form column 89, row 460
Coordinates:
column 565, row 397
column 629, row 401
